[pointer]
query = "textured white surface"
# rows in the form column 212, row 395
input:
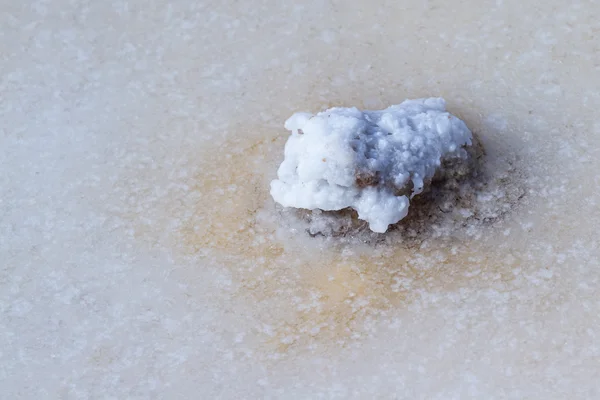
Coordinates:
column 327, row 154
column 120, row 278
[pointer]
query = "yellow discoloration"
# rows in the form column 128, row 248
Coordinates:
column 305, row 293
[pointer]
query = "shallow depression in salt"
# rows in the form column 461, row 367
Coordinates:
column 144, row 257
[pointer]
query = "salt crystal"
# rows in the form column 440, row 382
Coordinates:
column 371, row 161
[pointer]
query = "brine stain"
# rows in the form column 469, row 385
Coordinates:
column 307, row 293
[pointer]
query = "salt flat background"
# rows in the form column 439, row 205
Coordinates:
column 137, row 142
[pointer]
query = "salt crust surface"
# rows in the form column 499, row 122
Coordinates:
column 370, row 161
column 113, row 119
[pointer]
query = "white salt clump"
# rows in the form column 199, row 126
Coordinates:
column 367, row 160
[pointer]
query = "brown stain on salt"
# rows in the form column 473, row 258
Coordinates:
column 304, row 295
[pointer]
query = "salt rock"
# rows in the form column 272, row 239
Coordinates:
column 371, row 161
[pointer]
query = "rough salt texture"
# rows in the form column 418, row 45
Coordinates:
column 370, row 161
column 138, row 139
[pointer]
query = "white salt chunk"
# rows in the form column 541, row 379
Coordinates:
column 370, row 161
